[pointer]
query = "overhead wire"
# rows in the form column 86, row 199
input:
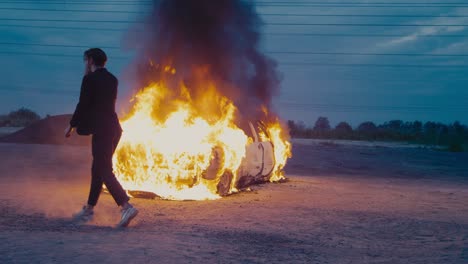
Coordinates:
column 268, row 51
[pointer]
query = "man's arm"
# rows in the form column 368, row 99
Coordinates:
column 83, row 104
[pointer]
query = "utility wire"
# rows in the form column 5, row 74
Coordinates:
column 374, row 65
column 55, row 45
column 360, row 35
column 73, row 10
column 376, row 106
column 53, row 55
column 271, row 52
column 263, row 14
column 267, row 33
column 366, row 54
column 366, row 24
column 68, row 28
column 257, row 2
column 361, row 15
column 311, row 64
column 268, row 23
column 290, row 34
column 69, row 20
column 264, row 4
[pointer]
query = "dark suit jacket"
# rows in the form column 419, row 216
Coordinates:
column 95, row 112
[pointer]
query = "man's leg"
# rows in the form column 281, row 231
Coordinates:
column 103, row 161
column 95, row 189
column 103, row 166
column 128, row 211
column 96, row 185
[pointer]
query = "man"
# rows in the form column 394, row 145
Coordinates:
column 95, row 114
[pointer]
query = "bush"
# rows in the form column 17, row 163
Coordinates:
column 20, row 118
column 456, row 147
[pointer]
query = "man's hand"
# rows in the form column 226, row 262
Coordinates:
column 68, row 131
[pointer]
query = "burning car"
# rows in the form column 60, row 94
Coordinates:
column 185, row 155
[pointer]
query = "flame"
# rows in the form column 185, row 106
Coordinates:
column 180, row 152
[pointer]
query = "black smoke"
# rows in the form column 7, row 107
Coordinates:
column 221, row 37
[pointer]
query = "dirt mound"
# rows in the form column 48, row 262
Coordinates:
column 49, row 130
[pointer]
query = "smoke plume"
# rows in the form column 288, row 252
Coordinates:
column 206, row 39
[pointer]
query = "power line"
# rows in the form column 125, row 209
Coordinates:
column 99, row 3
column 55, row 45
column 363, row 15
column 53, row 55
column 284, row 34
column 395, row 80
column 360, row 3
column 360, row 35
column 424, row 107
column 271, row 52
column 373, row 5
column 273, row 4
column 69, row 20
column 366, row 54
column 420, row 66
column 267, row 33
column 35, row 90
column 332, row 108
column 73, row 10
column 263, row 14
column 366, row 24
column 257, row 2
column 270, row 23
column 312, row 64
column 70, row 28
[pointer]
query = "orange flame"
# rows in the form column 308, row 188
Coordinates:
column 179, row 153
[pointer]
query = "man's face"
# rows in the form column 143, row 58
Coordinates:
column 88, row 63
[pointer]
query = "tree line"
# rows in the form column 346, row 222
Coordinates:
column 19, row 118
column 453, row 136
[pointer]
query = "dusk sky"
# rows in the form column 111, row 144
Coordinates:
column 348, row 60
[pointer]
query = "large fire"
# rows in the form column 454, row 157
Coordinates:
column 190, row 148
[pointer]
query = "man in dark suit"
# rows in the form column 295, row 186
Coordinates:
column 95, row 115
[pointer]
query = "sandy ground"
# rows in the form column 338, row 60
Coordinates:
column 343, row 204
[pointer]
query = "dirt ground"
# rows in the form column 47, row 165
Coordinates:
column 342, row 204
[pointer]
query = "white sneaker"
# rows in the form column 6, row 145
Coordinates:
column 127, row 216
column 86, row 214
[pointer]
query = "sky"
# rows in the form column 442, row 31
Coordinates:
column 348, row 60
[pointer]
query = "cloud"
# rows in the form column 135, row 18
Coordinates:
column 431, row 30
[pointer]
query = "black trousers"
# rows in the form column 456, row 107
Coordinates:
column 103, row 147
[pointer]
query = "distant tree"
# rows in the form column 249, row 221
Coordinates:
column 292, row 128
column 322, row 124
column 4, row 120
column 297, row 128
column 459, row 128
column 430, row 133
column 343, row 130
column 417, row 127
column 367, row 127
column 368, row 130
column 456, row 137
column 23, row 117
column 321, row 128
column 443, row 135
column 395, row 125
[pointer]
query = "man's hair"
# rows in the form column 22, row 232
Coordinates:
column 98, row 55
